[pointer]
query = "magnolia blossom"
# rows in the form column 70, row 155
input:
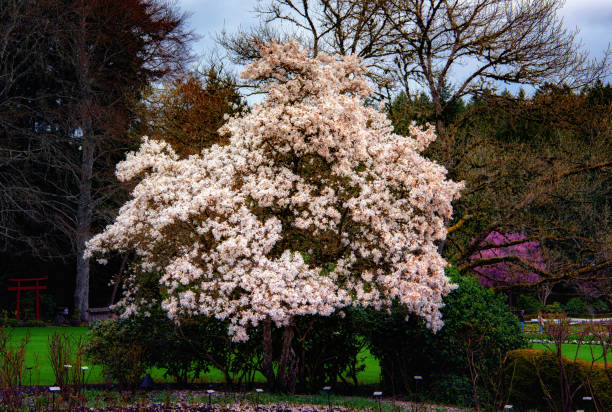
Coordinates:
column 498, row 245
column 313, row 206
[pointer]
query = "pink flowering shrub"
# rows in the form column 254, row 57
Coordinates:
column 508, row 273
column 313, row 206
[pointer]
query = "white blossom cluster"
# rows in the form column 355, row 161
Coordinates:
column 314, row 205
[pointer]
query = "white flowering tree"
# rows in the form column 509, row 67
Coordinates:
column 314, row 205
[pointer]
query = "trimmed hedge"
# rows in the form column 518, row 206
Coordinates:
column 530, row 373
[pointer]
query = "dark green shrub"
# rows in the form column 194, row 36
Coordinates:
column 117, row 346
column 554, row 307
column 476, row 320
column 181, row 346
column 184, row 351
column 576, row 306
column 600, row 306
column 529, row 303
column 447, row 387
column 327, row 347
column 199, row 343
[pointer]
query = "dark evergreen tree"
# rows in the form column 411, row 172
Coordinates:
column 71, row 71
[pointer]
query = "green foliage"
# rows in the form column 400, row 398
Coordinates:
column 576, row 306
column 548, row 153
column 404, row 110
column 554, row 307
column 184, row 351
column 117, row 345
column 529, row 303
column 600, row 306
column 328, row 347
column 472, row 314
column 454, row 388
column 177, row 356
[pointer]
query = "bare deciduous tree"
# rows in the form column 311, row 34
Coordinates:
column 431, row 42
column 494, row 40
column 333, row 26
column 70, row 71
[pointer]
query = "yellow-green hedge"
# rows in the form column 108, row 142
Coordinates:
column 532, row 372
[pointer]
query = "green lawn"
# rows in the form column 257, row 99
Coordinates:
column 37, row 353
column 585, row 352
column 37, row 356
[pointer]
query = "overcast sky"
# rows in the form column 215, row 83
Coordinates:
column 592, row 17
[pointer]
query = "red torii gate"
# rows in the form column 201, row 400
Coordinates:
column 19, row 288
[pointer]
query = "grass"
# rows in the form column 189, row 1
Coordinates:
column 37, row 353
column 586, row 353
column 37, row 357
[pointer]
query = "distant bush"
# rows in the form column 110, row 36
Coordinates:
column 576, row 306
column 197, row 344
column 327, row 347
column 451, row 388
column 555, row 307
column 600, row 306
column 529, row 303
column 126, row 348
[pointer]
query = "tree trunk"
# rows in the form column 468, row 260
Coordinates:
column 84, row 124
column 268, row 355
column 116, row 283
column 440, row 126
column 288, row 364
column 84, row 213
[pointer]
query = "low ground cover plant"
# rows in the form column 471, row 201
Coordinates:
column 200, row 400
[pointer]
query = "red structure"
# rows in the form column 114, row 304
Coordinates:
column 35, row 287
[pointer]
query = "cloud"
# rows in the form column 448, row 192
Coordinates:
column 209, row 17
column 593, row 19
column 586, row 14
